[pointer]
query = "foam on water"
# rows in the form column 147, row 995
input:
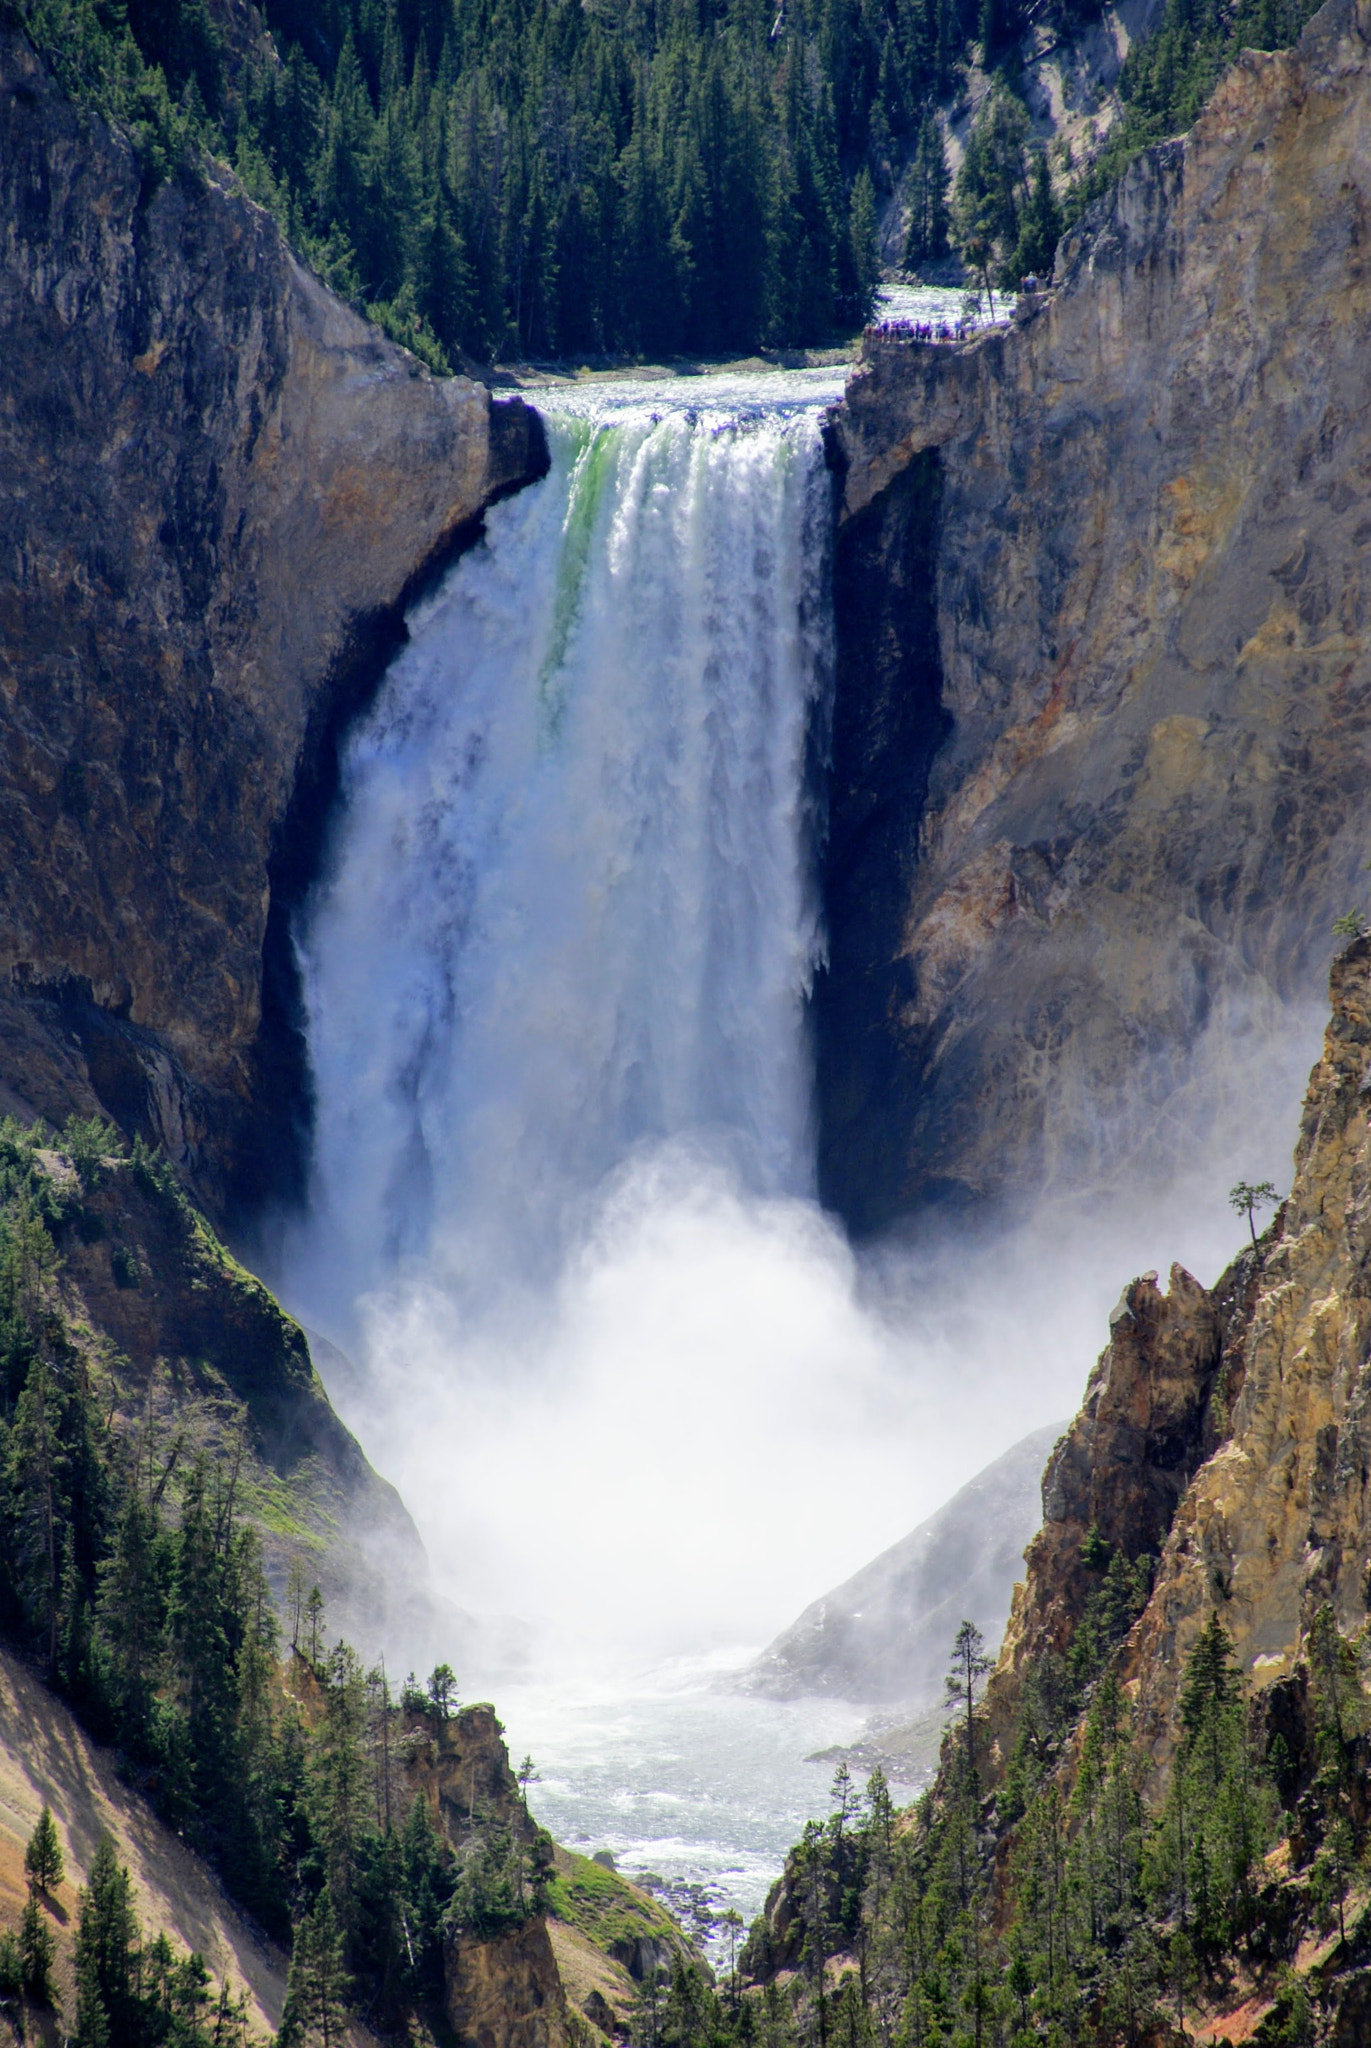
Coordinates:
column 679, row 1781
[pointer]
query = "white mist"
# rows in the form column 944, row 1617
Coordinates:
column 632, row 1384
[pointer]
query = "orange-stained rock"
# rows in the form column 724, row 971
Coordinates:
column 1229, row 1434
column 505, row 1993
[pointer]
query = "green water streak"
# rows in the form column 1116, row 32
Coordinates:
column 589, row 474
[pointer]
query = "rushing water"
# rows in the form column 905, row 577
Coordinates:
column 572, row 911
column 617, row 1360
column 689, row 1787
column 561, row 958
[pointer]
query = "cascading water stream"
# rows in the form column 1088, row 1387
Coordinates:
column 570, row 911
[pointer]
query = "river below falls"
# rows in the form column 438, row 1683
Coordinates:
column 696, row 1789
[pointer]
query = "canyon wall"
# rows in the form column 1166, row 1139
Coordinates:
column 1225, row 1432
column 1101, row 740
column 193, row 1358
column 221, row 487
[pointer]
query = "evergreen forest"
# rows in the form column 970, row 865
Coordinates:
column 501, row 180
column 130, row 1579
column 1064, row 1908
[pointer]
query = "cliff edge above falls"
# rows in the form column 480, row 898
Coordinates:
column 1101, row 739
column 221, row 485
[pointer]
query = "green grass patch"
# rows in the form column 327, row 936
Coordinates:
column 604, row 1906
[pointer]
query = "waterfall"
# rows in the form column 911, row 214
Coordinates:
column 629, row 1378
column 570, row 910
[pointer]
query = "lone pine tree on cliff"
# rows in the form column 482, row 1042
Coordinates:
column 1250, row 1195
column 969, row 1663
column 43, row 1866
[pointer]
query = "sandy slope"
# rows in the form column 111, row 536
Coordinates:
column 45, row 1755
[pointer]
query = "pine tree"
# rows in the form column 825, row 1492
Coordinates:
column 968, row 1666
column 992, row 185
column 131, row 1614
column 92, row 2028
column 1040, row 228
column 315, row 2014
column 37, row 1952
column 36, row 1472
column 866, row 256
column 442, row 1691
column 340, row 1776
column 1209, row 1691
column 926, row 237
column 314, row 1627
column 107, row 1951
column 200, row 1620
column 43, row 1865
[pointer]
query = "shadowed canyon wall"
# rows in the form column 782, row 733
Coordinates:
column 221, row 485
column 1140, row 712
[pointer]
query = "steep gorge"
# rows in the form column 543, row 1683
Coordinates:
column 1098, row 780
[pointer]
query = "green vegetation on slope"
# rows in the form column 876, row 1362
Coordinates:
column 1168, row 78
column 604, row 1907
column 1062, row 1908
column 135, row 1584
column 1008, row 208
column 130, row 1992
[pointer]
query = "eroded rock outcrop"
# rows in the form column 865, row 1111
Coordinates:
column 502, row 1988
column 1278, row 1520
column 1224, row 1434
column 505, row 1992
column 220, row 485
column 1114, row 1482
column 1102, row 729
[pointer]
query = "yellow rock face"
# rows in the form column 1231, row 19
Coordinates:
column 1145, row 518
column 1275, row 1523
column 1228, row 1434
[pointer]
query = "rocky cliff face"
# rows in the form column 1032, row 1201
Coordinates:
column 1278, row 1521
column 502, row 1989
column 1102, row 719
column 1225, row 1434
column 221, row 487
column 882, row 1636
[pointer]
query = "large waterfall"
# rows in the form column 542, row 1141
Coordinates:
column 556, row 976
column 626, row 1373
column 571, row 911
column 631, row 1381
